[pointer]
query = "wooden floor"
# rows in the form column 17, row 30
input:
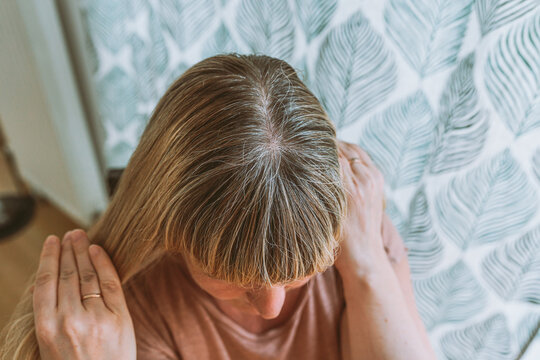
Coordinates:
column 19, row 253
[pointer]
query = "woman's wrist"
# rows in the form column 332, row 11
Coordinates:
column 365, row 266
column 375, row 276
column 379, row 322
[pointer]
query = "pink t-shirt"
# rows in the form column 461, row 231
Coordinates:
column 175, row 319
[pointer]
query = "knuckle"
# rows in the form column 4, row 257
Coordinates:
column 72, row 326
column 88, row 276
column 104, row 329
column 44, row 278
column 110, row 285
column 67, row 274
column 108, row 327
column 78, row 232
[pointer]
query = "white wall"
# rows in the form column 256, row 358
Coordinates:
column 41, row 112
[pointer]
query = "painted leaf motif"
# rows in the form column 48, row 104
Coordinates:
column 399, row 140
column 267, row 27
column 314, row 15
column 536, row 163
column 121, row 141
column 486, row 340
column 138, row 19
column 493, row 14
column 185, row 20
column 151, row 59
column 119, row 154
column 96, row 28
column 108, row 36
column 171, row 76
column 302, row 70
column 451, row 295
column 220, row 43
column 429, row 33
column 354, row 71
column 394, row 214
column 512, row 76
column 527, row 331
column 104, row 21
column 513, row 271
column 462, row 125
column 118, row 88
column 425, row 247
column 487, row 203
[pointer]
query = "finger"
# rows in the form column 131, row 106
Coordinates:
column 360, row 171
column 69, row 293
column 357, row 171
column 46, row 285
column 346, row 149
column 348, row 153
column 87, row 274
column 109, row 282
column 368, row 161
column 363, row 155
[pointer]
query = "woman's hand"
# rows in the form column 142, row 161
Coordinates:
column 361, row 241
column 68, row 327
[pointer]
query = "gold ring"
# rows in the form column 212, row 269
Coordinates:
column 354, row 159
column 88, row 296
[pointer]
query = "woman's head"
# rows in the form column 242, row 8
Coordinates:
column 237, row 168
column 264, row 301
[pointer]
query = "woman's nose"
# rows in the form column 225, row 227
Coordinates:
column 268, row 301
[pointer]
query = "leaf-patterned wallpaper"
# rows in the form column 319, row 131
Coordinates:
column 444, row 95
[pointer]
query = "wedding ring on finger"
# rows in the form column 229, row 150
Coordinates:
column 89, row 296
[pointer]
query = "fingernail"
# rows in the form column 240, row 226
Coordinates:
column 93, row 249
column 67, row 237
column 51, row 239
column 76, row 235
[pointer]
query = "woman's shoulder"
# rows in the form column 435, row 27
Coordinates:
column 149, row 299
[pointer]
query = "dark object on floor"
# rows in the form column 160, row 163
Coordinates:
column 16, row 211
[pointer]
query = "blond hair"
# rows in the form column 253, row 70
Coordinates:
column 237, row 167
